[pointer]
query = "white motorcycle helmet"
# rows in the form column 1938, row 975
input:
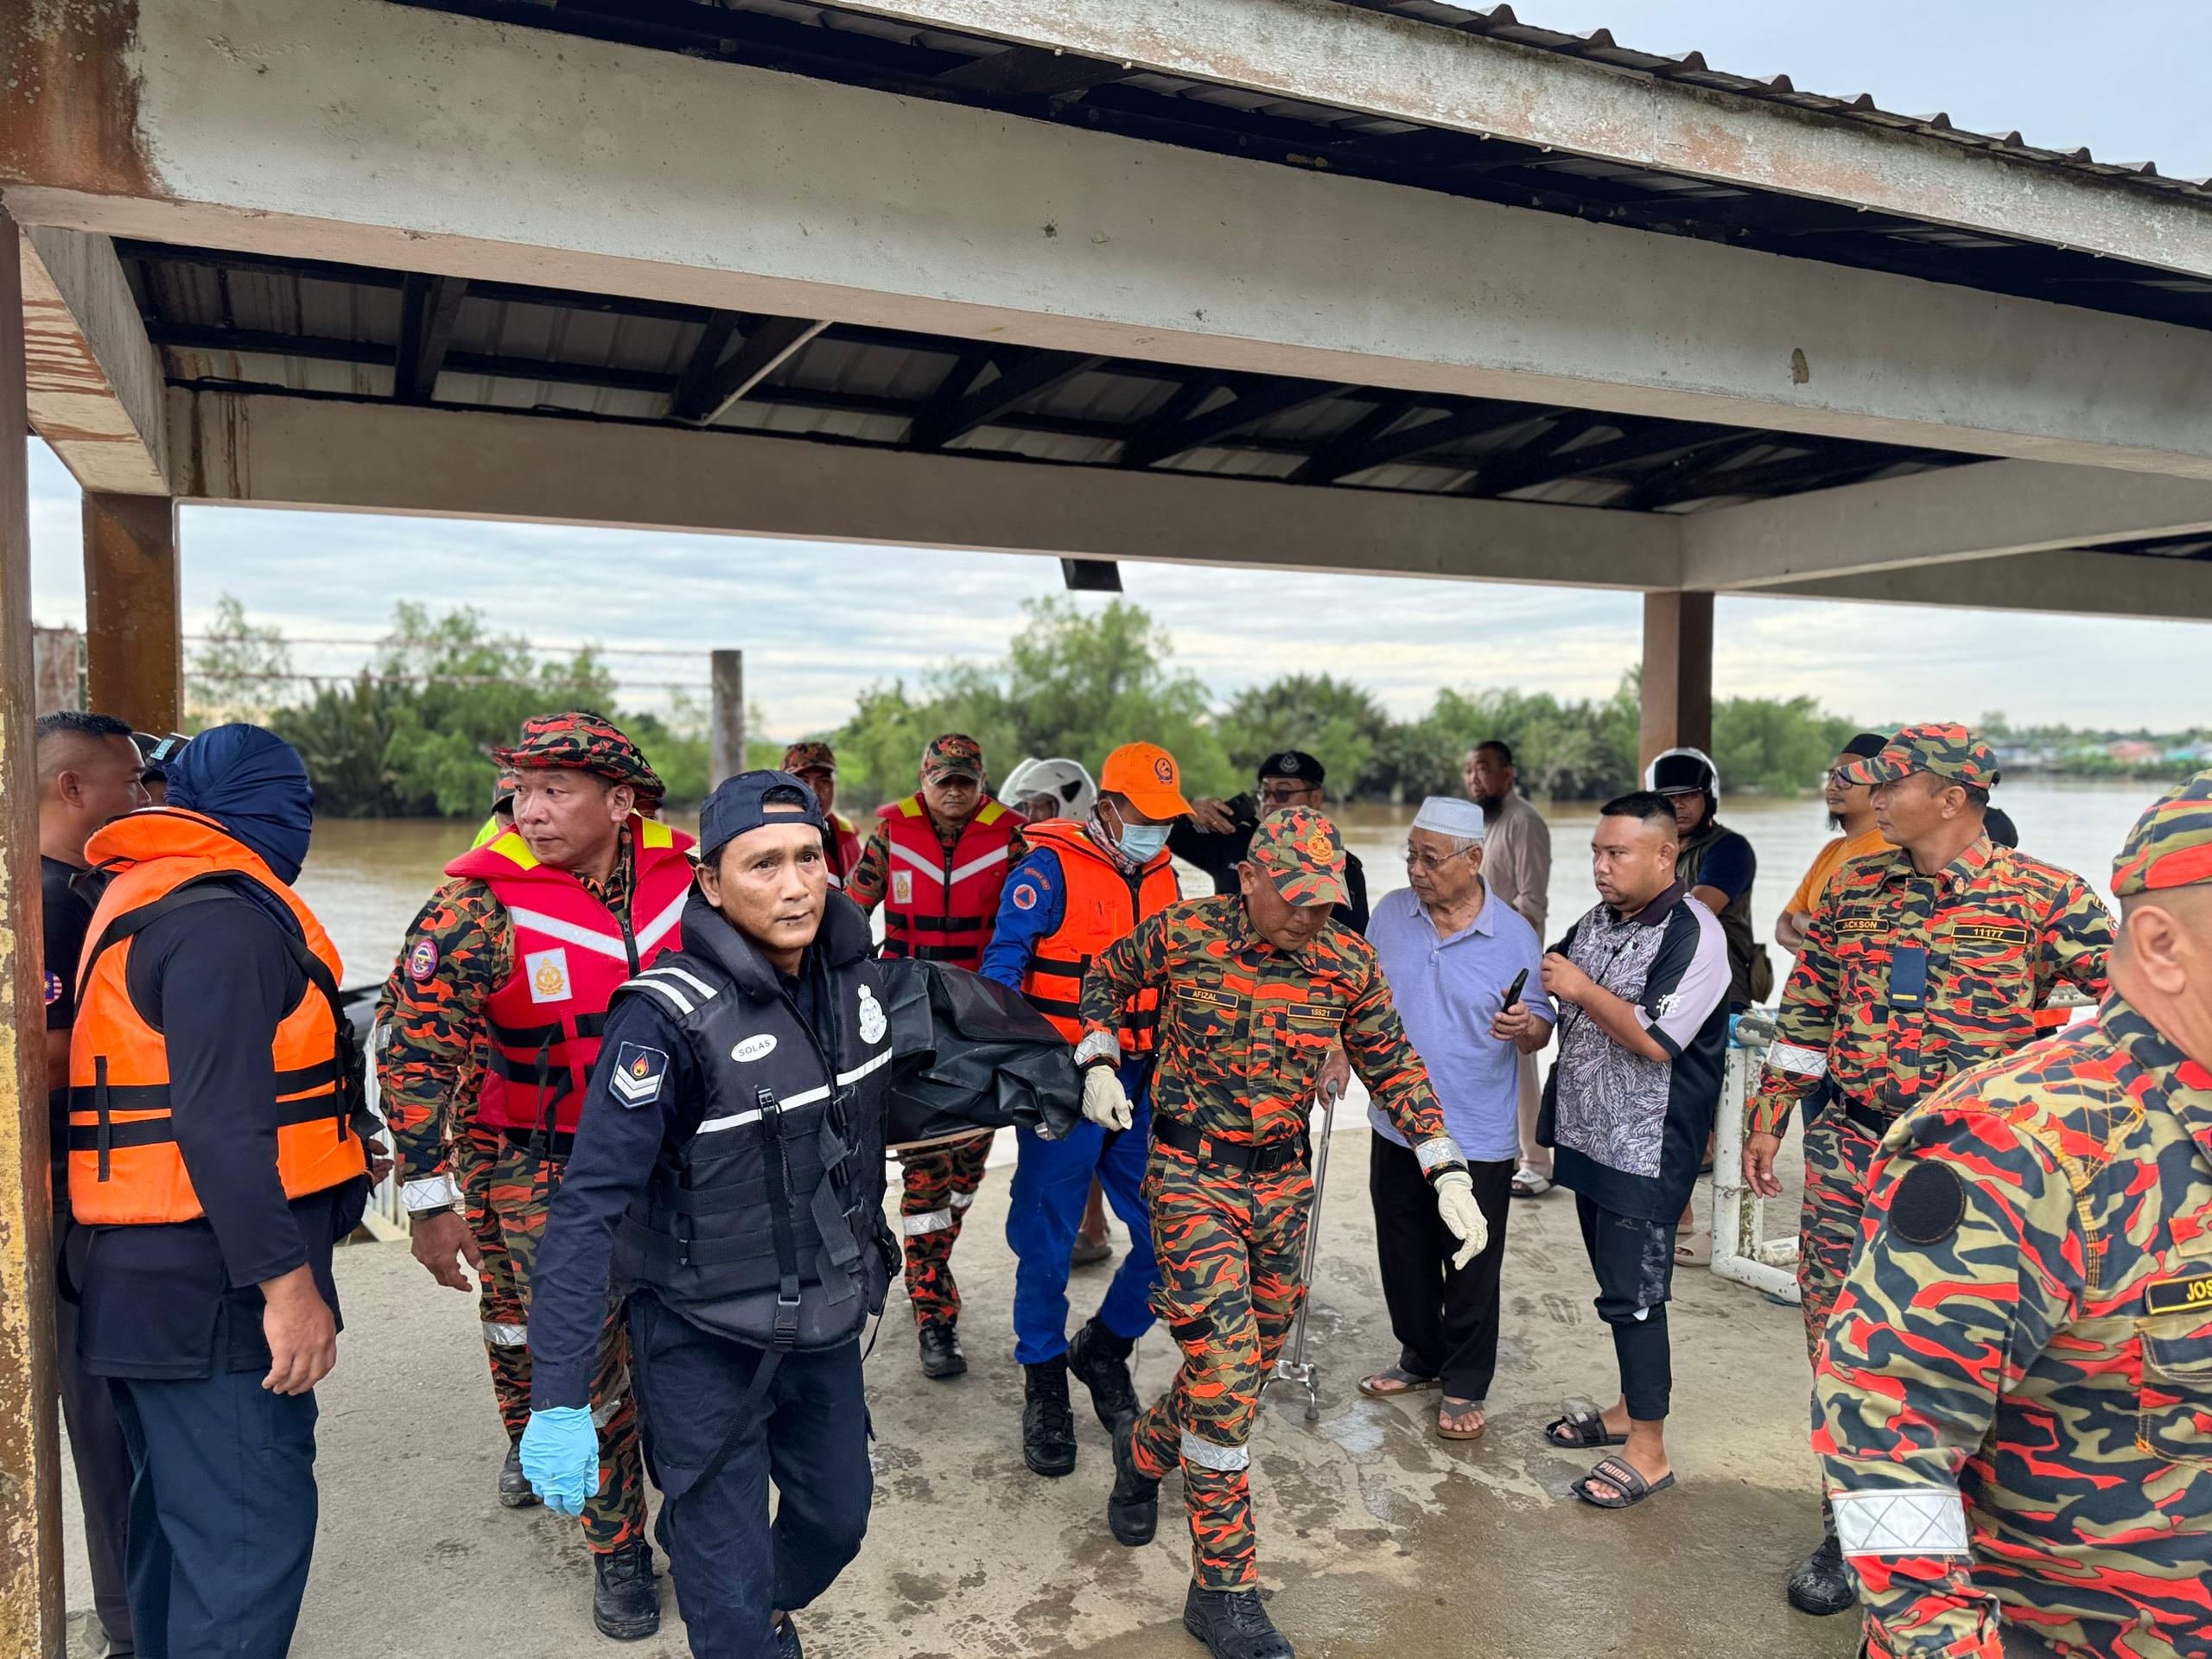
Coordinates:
column 1064, row 783
column 1684, row 772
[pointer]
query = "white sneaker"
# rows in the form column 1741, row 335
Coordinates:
column 1528, row 1184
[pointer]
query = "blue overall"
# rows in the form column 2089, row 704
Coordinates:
column 1052, row 1183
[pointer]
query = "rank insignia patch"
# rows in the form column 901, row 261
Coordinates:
column 638, row 1075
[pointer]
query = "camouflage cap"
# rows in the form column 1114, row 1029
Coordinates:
column 579, row 740
column 1951, row 753
column 810, row 757
column 2170, row 845
column 952, row 755
column 1302, row 855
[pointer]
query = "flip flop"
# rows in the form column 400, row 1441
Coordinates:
column 1629, row 1489
column 1581, row 1427
column 1452, row 1408
column 1380, row 1385
column 1527, row 1184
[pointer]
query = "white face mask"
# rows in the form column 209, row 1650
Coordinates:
column 1140, row 842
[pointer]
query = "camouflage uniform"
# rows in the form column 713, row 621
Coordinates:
column 1243, row 1030
column 2014, row 1400
column 430, row 1062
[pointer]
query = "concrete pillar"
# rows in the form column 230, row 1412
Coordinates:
column 30, row 1506
column 726, row 733
column 134, row 643
column 1677, row 673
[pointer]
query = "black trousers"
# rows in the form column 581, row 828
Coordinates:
column 1633, row 1260
column 102, row 1463
column 1445, row 1317
column 809, row 1433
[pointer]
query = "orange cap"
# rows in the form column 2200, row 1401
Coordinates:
column 1147, row 774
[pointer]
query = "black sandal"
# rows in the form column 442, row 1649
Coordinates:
column 1630, row 1487
column 1581, row 1429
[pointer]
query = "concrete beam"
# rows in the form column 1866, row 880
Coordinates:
column 95, row 383
column 1675, row 688
column 299, row 129
column 270, row 450
column 2064, row 584
column 1327, row 52
column 1959, row 513
column 134, row 639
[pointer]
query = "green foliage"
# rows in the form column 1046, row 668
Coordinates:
column 239, row 670
column 1339, row 724
column 1768, row 745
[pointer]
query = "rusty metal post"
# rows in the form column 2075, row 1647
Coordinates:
column 725, row 737
column 134, row 640
column 1677, row 708
column 31, row 1611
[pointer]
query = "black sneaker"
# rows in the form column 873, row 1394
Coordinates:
column 1233, row 1624
column 1134, row 1510
column 1100, row 1361
column 515, row 1492
column 625, row 1599
column 787, row 1638
column 941, row 1355
column 1821, row 1585
column 1047, row 1424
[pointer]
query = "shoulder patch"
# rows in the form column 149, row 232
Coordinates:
column 1025, row 896
column 423, row 961
column 1927, row 1204
column 638, row 1073
column 52, row 989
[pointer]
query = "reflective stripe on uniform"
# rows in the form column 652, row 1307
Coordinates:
column 804, row 1098
column 668, row 993
column 935, row 871
column 977, row 866
column 603, row 1414
column 935, row 1222
column 1437, row 1151
column 962, row 1200
column 1225, row 1459
column 1901, row 1520
column 433, row 1193
column 704, row 991
column 607, row 944
column 497, row 1335
column 651, row 934
column 1796, row 1060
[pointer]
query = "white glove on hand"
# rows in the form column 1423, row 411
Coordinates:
column 1106, row 1103
column 1455, row 1202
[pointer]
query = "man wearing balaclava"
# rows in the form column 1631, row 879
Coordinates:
column 213, row 1155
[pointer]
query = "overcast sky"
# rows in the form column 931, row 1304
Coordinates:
column 818, row 622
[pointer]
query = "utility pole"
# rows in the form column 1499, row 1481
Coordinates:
column 726, row 741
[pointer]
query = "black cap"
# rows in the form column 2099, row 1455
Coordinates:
column 1998, row 825
column 1866, row 745
column 751, row 800
column 1293, row 763
column 1681, row 774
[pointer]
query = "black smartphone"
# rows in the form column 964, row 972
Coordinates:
column 1513, row 991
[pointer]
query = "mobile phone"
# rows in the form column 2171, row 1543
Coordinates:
column 1513, row 991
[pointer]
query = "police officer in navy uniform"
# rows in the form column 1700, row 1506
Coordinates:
column 728, row 1180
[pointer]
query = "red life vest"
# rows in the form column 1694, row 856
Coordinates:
column 1104, row 903
column 939, row 905
column 124, row 1167
column 571, row 953
column 842, row 843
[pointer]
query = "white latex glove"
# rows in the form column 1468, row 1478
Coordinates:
column 1106, row 1103
column 1455, row 1202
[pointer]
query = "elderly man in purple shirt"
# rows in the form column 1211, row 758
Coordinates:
column 1451, row 951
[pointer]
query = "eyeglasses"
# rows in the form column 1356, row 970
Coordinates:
column 1837, row 778
column 1286, row 794
column 1431, row 860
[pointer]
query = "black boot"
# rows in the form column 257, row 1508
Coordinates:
column 941, row 1355
column 1233, row 1624
column 515, row 1492
column 625, row 1600
column 787, row 1639
column 1047, row 1425
column 1134, row 1510
column 1100, row 1361
column 1821, row 1585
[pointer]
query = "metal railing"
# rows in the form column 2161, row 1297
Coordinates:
column 1741, row 1251
column 390, row 1216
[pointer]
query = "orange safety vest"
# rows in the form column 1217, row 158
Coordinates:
column 939, row 905
column 571, row 955
column 1104, row 903
column 124, row 1168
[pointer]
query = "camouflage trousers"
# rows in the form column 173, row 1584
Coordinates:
column 940, row 1183
column 1230, row 1245
column 1839, row 1156
column 499, row 1302
column 520, row 1188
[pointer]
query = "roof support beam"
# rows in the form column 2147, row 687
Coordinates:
column 93, row 380
column 709, row 386
column 2060, row 584
column 943, row 422
column 857, row 206
column 1251, row 402
column 271, row 450
column 429, row 307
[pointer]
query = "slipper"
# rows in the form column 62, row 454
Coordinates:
column 1390, row 1384
column 1694, row 1250
column 1629, row 1489
column 1089, row 1252
column 1527, row 1184
column 1452, row 1409
column 1581, row 1429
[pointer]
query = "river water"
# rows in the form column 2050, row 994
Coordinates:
column 367, row 878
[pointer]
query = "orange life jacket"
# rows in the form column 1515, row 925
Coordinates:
column 124, row 1167
column 1104, row 903
column 570, row 954
column 939, row 905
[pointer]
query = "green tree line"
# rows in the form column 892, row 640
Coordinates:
column 409, row 734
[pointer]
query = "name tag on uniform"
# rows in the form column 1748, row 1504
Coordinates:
column 1205, row 998
column 1990, row 933
column 1859, row 924
column 1326, row 1013
column 2183, row 1295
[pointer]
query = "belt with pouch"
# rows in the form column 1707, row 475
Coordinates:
column 1234, row 1155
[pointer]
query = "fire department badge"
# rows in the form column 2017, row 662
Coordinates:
column 423, row 961
column 548, row 973
column 902, row 887
column 638, row 1075
column 873, row 1024
column 1320, row 847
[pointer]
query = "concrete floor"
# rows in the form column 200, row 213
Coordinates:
column 1376, row 1538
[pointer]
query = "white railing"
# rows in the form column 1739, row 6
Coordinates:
column 386, row 1217
column 1741, row 1251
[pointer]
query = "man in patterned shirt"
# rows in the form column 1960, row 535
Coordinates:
column 2014, row 1396
column 1921, row 960
column 1255, row 990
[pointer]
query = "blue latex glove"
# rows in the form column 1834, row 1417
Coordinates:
column 560, row 1456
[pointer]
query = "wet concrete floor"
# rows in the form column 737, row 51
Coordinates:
column 1376, row 1538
